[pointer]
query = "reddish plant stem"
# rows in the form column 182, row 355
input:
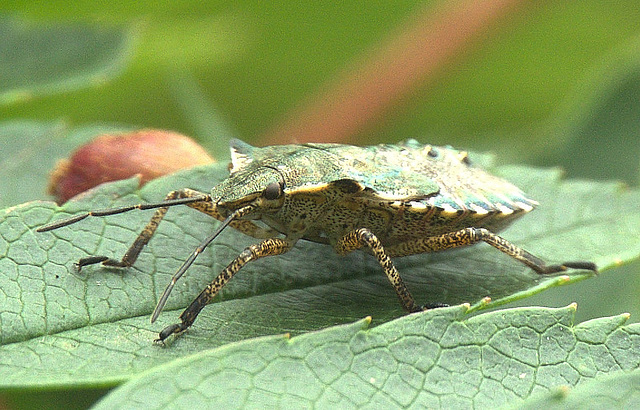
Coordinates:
column 356, row 100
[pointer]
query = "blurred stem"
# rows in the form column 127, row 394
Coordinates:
column 361, row 96
column 204, row 118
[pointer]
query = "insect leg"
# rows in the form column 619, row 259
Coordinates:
column 268, row 247
column 131, row 255
column 525, row 257
column 470, row 236
column 364, row 237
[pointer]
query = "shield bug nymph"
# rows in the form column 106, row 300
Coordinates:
column 390, row 200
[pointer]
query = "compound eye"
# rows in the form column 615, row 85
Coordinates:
column 272, row 191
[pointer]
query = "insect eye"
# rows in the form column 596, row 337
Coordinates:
column 272, row 191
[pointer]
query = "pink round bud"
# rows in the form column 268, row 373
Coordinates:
column 148, row 153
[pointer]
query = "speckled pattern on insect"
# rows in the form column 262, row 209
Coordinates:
column 390, row 200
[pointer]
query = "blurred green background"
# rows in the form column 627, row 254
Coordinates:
column 520, row 84
column 553, row 83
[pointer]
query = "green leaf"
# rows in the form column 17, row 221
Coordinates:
column 620, row 390
column 599, row 122
column 30, row 150
column 40, row 60
column 65, row 320
column 428, row 360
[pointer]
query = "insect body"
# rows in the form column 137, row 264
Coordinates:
column 390, row 200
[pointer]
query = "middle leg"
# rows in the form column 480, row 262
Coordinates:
column 364, row 237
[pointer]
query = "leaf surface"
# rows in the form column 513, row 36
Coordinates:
column 40, row 60
column 30, row 150
column 436, row 359
column 620, row 390
column 66, row 320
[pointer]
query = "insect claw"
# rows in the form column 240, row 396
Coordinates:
column 549, row 269
column 89, row 260
column 430, row 306
column 168, row 331
column 582, row 265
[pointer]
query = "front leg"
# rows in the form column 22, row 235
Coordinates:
column 268, row 247
column 189, row 197
column 194, row 199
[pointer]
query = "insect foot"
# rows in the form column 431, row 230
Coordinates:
column 168, row 331
column 388, row 200
column 430, row 306
column 535, row 263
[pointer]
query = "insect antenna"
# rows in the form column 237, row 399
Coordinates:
column 165, row 296
column 113, row 211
